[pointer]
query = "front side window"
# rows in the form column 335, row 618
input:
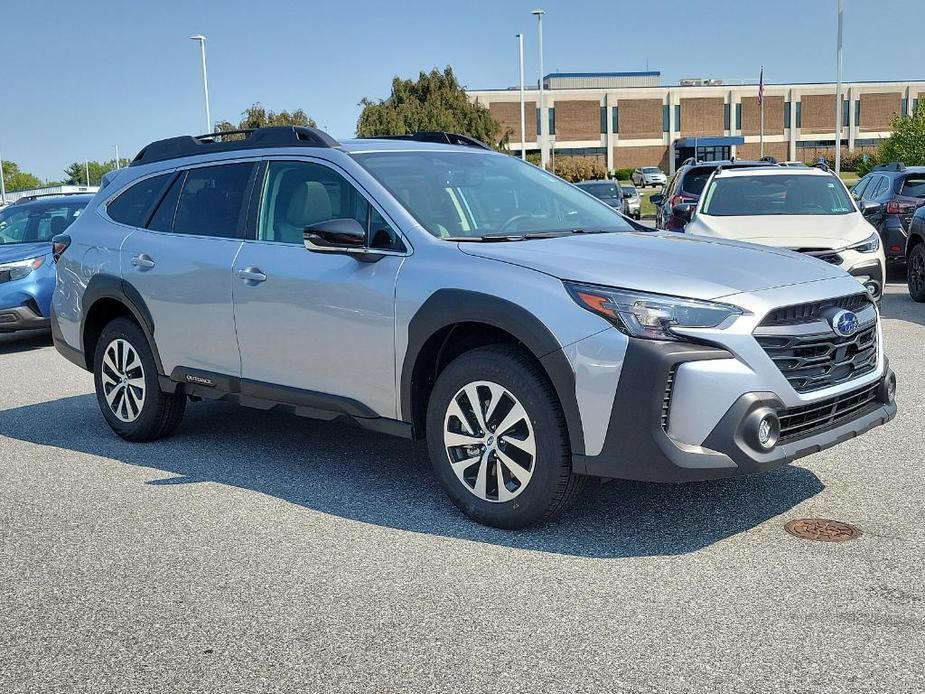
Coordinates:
column 212, row 201
column 299, row 194
column 134, row 204
column 778, row 194
column 858, row 190
column 477, row 194
column 32, row 223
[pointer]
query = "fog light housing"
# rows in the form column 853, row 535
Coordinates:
column 762, row 429
column 873, row 288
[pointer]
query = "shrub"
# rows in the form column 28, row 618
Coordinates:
column 623, row 174
column 576, row 169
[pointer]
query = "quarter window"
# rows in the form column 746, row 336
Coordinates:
column 133, row 206
column 212, row 201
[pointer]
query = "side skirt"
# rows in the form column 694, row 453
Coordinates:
column 267, row 396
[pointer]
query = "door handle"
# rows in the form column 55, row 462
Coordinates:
column 252, row 275
column 143, row 261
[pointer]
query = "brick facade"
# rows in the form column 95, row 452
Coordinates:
column 773, row 115
column 640, row 118
column 578, row 120
column 702, row 117
column 752, row 150
column 633, row 157
column 818, row 113
column 877, row 110
column 508, row 114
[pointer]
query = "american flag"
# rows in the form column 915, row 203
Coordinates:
column 761, row 87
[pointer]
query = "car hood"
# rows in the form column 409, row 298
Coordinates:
column 787, row 231
column 665, row 263
column 11, row 252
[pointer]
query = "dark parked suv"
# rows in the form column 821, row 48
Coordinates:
column 915, row 256
column 899, row 190
column 674, row 205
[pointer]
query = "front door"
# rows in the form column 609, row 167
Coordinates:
column 314, row 321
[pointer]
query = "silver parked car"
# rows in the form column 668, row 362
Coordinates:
column 631, row 200
column 532, row 334
column 649, row 176
column 606, row 191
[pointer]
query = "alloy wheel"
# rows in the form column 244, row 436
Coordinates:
column 123, row 378
column 489, row 441
column 917, row 272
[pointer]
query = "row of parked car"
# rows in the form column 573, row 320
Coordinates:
column 431, row 288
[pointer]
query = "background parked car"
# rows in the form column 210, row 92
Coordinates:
column 915, row 255
column 674, row 205
column 631, row 199
column 27, row 273
column 649, row 176
column 900, row 190
column 607, row 191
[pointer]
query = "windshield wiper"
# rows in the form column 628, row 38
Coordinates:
column 530, row 235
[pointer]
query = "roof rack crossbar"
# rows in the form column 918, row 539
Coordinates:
column 254, row 138
column 892, row 166
column 439, row 136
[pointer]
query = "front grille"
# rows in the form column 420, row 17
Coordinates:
column 798, row 422
column 822, row 254
column 807, row 313
column 666, row 398
column 813, row 362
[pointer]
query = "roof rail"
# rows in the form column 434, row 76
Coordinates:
column 438, row 136
column 734, row 164
column 254, row 138
column 36, row 196
column 769, row 159
column 690, row 160
column 892, row 166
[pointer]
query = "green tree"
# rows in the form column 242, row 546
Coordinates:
column 435, row 101
column 76, row 173
column 16, row 179
column 907, row 141
column 257, row 116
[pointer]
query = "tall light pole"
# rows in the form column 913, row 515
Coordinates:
column 544, row 125
column 205, row 78
column 118, row 165
column 87, row 171
column 2, row 184
column 523, row 114
column 838, row 87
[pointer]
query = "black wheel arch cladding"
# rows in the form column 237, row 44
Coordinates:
column 449, row 307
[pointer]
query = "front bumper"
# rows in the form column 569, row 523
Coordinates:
column 21, row 318
column 638, row 446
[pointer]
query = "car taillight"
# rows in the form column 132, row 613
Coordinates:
column 897, row 207
column 59, row 244
column 678, row 199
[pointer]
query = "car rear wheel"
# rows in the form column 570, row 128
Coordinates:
column 498, row 441
column 127, row 389
column 916, row 273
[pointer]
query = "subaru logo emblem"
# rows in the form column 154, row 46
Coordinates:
column 845, row 323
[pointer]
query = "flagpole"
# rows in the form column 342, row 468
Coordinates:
column 838, row 86
column 761, row 103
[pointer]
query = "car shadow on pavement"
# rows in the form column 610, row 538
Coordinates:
column 11, row 343
column 898, row 305
column 345, row 471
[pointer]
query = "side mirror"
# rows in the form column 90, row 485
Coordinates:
column 657, row 199
column 343, row 236
column 684, row 210
column 870, row 208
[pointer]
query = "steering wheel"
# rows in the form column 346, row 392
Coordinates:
column 513, row 220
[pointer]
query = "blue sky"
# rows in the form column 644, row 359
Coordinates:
column 80, row 78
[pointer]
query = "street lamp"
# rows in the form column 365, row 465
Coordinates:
column 838, row 86
column 523, row 119
column 541, row 135
column 205, row 78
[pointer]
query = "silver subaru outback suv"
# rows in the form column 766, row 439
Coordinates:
column 428, row 287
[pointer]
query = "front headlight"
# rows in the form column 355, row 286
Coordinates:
column 22, row 268
column 869, row 245
column 651, row 316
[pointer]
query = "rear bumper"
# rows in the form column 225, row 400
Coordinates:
column 894, row 239
column 638, row 446
column 21, row 318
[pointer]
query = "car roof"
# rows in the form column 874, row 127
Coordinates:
column 363, row 145
column 772, row 171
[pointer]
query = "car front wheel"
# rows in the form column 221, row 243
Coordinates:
column 916, row 273
column 498, row 441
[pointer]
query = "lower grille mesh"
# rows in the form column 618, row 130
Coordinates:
column 798, row 422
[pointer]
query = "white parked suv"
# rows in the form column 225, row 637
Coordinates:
column 806, row 210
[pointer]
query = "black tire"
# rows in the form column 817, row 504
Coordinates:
column 915, row 273
column 159, row 413
column 553, row 486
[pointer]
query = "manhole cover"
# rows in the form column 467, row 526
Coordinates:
column 822, row 530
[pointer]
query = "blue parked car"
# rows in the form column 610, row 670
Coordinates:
column 27, row 272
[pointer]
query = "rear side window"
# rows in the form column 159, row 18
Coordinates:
column 212, row 201
column 913, row 186
column 695, row 180
column 134, row 205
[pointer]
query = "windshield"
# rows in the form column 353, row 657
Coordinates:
column 651, row 169
column 604, row 191
column 479, row 194
column 31, row 223
column 780, row 194
column 629, row 191
column 914, row 186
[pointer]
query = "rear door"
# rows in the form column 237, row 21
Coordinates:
column 180, row 264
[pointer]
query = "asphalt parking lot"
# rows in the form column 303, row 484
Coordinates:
column 256, row 552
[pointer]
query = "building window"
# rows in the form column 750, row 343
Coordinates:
column 799, row 114
column 857, row 113
column 845, row 106
column 904, row 108
column 726, row 117
column 616, row 119
column 677, row 118
column 738, row 116
column 580, row 152
column 603, row 120
column 538, row 122
column 552, row 120
column 786, row 114
column 666, row 125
